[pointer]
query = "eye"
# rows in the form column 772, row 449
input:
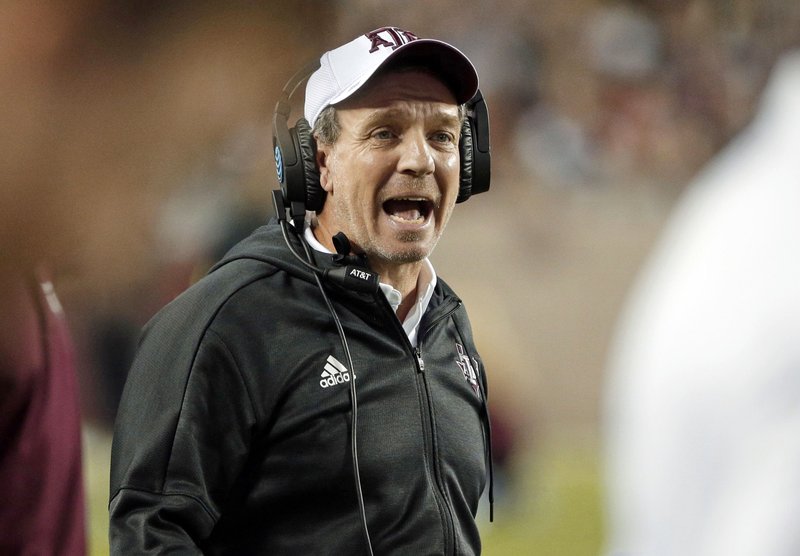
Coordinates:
column 443, row 137
column 383, row 134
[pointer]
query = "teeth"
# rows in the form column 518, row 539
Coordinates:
column 406, row 209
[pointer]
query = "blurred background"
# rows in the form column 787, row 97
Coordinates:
column 136, row 148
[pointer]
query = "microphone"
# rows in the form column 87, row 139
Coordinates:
column 350, row 272
column 352, row 278
column 347, row 274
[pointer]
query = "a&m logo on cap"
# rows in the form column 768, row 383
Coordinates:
column 390, row 37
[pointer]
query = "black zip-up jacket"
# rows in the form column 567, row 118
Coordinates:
column 233, row 435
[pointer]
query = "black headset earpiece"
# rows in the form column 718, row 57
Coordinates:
column 295, row 152
column 307, row 147
column 476, row 160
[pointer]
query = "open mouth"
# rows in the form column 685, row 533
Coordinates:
column 408, row 210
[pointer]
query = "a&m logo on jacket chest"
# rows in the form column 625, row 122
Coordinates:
column 468, row 368
column 389, row 37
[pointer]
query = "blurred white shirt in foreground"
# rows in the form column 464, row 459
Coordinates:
column 703, row 398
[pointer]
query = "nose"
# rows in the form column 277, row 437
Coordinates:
column 416, row 158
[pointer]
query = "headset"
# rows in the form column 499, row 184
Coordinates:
column 295, row 152
column 300, row 191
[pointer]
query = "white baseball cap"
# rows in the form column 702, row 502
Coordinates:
column 344, row 70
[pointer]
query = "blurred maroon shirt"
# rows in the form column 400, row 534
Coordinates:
column 42, row 509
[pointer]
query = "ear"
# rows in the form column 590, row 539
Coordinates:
column 323, row 157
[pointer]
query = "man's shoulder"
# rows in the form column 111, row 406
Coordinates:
column 203, row 299
column 260, row 255
column 251, row 260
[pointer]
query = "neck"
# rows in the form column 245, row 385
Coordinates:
column 403, row 278
column 405, row 306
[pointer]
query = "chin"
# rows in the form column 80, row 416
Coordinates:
column 407, row 256
column 406, row 252
column 401, row 247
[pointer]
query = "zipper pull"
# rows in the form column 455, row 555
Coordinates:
column 420, row 362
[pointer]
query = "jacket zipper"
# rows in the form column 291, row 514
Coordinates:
column 432, row 459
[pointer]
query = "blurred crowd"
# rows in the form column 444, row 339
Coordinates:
column 137, row 140
column 136, row 143
column 589, row 93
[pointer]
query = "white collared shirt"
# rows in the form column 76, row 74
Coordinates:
column 426, row 282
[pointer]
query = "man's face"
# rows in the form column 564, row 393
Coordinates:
column 392, row 176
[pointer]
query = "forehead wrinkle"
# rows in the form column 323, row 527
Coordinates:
column 435, row 116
